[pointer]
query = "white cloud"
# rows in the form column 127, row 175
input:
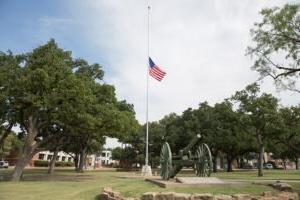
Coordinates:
column 200, row 44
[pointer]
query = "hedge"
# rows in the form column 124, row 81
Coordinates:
column 45, row 163
column 41, row 163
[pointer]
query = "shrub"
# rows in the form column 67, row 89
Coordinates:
column 41, row 163
column 64, row 164
column 44, row 163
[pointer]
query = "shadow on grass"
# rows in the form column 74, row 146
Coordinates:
column 97, row 197
column 67, row 178
column 47, row 177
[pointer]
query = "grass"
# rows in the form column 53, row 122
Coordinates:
column 67, row 184
column 268, row 175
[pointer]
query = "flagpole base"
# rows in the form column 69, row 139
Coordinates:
column 146, row 170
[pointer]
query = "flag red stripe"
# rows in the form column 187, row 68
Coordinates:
column 156, row 78
column 159, row 78
column 158, row 71
column 157, row 74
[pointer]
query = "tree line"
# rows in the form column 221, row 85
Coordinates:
column 241, row 127
column 59, row 104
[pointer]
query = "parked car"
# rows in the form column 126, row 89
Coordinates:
column 268, row 166
column 3, row 164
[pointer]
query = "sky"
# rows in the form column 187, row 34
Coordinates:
column 200, row 44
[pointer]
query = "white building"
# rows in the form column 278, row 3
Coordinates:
column 61, row 156
column 103, row 159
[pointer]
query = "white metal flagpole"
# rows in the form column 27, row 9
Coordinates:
column 146, row 171
column 147, row 101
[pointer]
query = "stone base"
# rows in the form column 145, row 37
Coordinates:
column 146, row 170
column 199, row 180
column 187, row 182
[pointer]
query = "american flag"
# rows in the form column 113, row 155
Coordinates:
column 155, row 71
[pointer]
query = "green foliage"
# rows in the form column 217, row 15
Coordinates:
column 41, row 163
column 45, row 163
column 64, row 164
column 239, row 127
column 286, row 140
column 116, row 153
column 260, row 110
column 12, row 144
column 276, row 45
column 59, row 103
column 259, row 116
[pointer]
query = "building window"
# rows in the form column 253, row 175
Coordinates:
column 57, row 158
column 63, row 158
column 103, row 154
column 41, row 156
column 69, row 159
column 49, row 157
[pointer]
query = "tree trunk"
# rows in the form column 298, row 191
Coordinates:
column 5, row 134
column 214, row 160
column 81, row 160
column 284, row 164
column 28, row 150
column 238, row 163
column 221, row 162
column 261, row 155
column 215, row 169
column 76, row 161
column 229, row 164
column 242, row 163
column 52, row 162
column 85, row 163
column 296, row 163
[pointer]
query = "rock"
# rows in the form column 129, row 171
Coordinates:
column 107, row 189
column 270, row 198
column 182, row 196
column 115, row 194
column 104, row 196
column 149, row 196
column 223, row 197
column 288, row 196
column 256, row 198
column 241, row 197
column 267, row 194
column 205, row 196
column 165, row 196
column 282, row 186
column 131, row 199
column 109, row 194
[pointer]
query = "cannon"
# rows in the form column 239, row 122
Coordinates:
column 193, row 155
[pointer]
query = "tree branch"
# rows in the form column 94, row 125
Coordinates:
column 289, row 70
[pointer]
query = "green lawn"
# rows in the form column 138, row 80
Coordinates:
column 268, row 174
column 66, row 184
